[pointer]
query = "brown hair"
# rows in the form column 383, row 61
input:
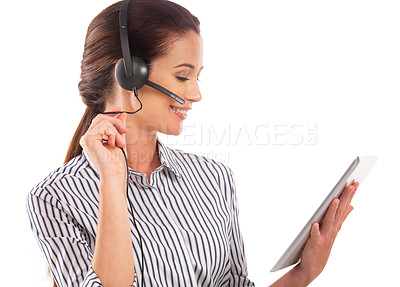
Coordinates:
column 153, row 26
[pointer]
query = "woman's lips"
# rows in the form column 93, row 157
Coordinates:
column 181, row 113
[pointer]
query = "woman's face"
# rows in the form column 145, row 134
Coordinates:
column 177, row 71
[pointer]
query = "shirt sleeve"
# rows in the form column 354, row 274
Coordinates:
column 62, row 242
column 237, row 255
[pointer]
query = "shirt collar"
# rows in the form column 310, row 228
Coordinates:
column 167, row 158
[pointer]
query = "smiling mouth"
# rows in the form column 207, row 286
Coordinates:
column 182, row 113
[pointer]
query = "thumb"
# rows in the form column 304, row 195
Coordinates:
column 315, row 230
column 122, row 117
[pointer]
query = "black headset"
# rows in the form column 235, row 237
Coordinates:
column 132, row 72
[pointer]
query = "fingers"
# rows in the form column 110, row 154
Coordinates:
column 349, row 209
column 345, row 208
column 329, row 218
column 112, row 120
column 111, row 125
column 345, row 200
column 118, row 120
column 339, row 209
column 101, row 114
column 113, row 136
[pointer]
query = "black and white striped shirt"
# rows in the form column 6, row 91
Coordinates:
column 187, row 216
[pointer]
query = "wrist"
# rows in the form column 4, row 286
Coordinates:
column 302, row 275
column 112, row 183
column 295, row 277
column 113, row 175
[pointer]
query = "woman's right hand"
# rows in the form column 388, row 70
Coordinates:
column 107, row 156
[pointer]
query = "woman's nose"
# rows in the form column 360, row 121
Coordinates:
column 194, row 93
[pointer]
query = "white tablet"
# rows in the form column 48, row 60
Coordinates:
column 357, row 171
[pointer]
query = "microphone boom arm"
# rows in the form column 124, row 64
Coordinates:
column 165, row 91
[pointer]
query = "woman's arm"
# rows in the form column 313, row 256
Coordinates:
column 63, row 241
column 113, row 253
column 316, row 252
column 294, row 278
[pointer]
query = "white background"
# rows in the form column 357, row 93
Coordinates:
column 292, row 90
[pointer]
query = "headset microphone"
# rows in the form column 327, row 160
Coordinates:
column 165, row 91
column 132, row 72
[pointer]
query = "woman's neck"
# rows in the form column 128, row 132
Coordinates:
column 142, row 148
column 141, row 138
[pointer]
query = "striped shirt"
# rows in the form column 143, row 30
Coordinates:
column 187, row 216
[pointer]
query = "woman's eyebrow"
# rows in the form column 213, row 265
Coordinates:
column 186, row 65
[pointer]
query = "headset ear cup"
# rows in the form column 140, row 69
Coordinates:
column 139, row 77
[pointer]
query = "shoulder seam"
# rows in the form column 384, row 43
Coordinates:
column 61, row 173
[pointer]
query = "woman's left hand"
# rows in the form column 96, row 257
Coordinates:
column 318, row 247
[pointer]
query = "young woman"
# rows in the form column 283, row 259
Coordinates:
column 171, row 219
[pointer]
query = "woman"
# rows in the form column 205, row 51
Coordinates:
column 171, row 219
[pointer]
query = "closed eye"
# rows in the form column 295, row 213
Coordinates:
column 182, row 79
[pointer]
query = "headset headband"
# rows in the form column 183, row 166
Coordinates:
column 134, row 73
column 123, row 25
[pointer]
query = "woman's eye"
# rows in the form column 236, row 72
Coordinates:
column 182, row 79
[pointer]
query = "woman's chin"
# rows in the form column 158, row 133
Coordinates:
column 173, row 129
column 176, row 132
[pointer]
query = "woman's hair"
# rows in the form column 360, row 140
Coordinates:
column 153, row 26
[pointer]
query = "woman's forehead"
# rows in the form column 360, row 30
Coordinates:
column 185, row 50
